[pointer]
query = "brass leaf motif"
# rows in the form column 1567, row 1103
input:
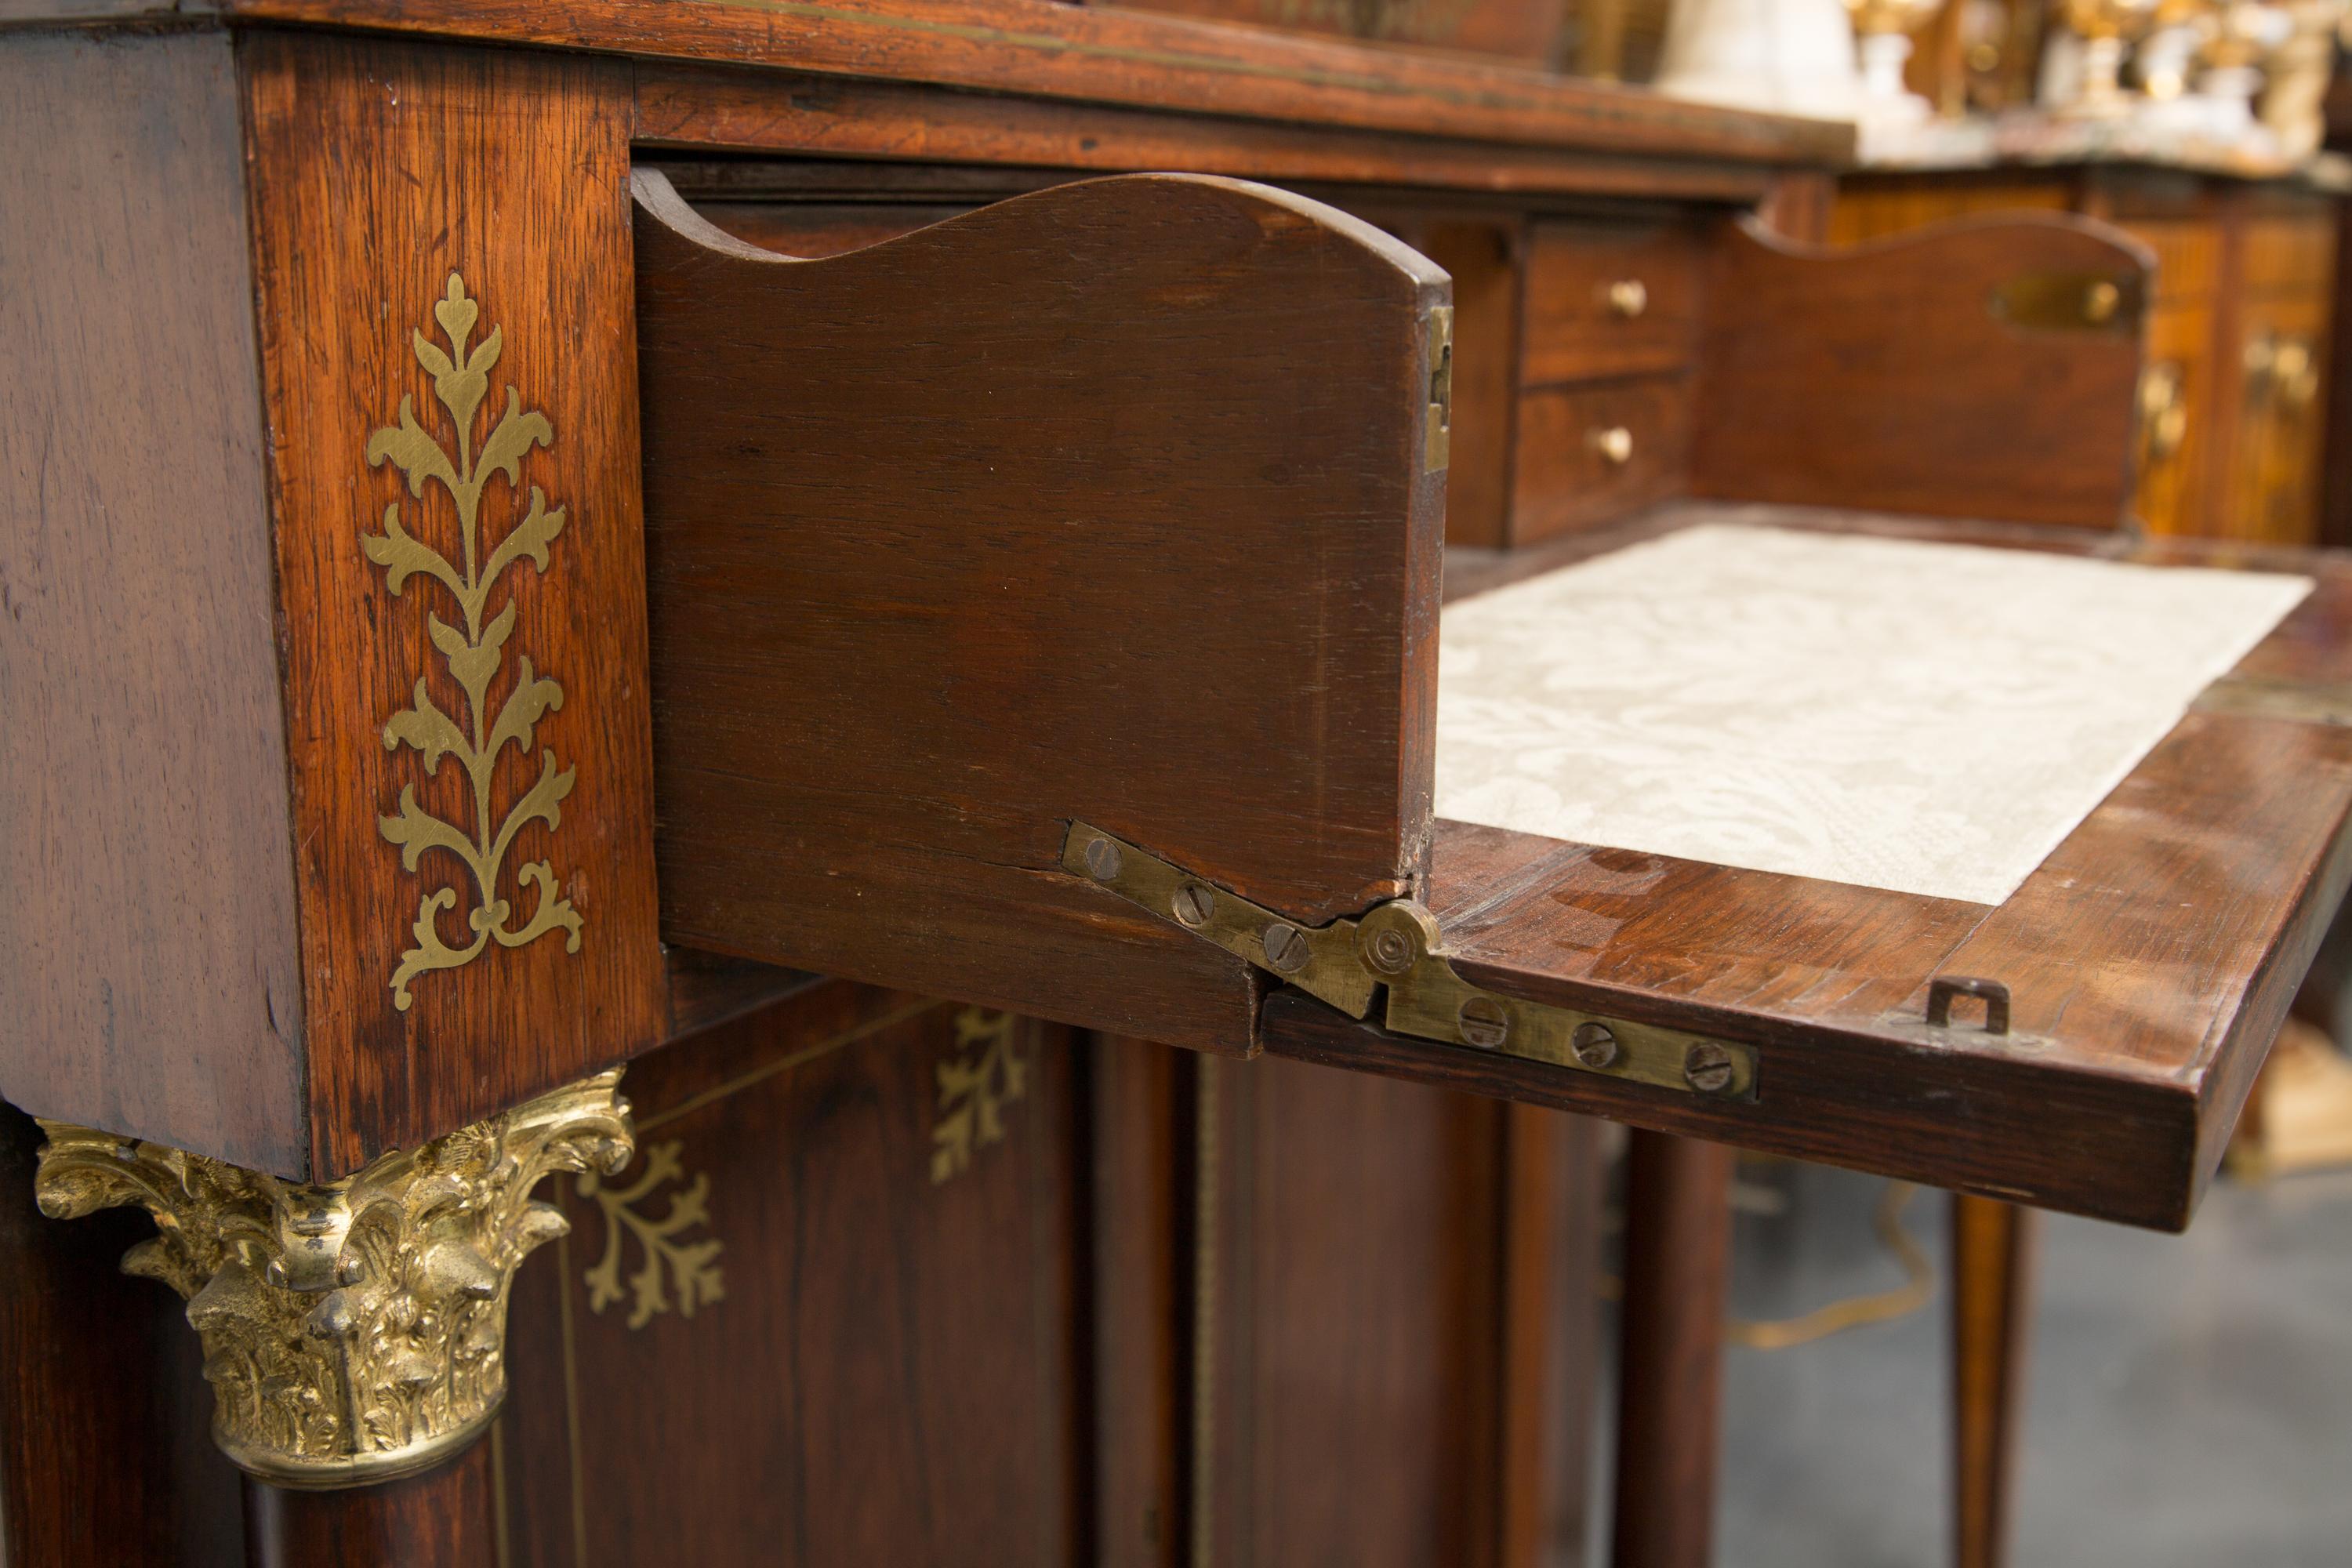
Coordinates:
column 975, row 1085
column 688, row 1267
column 473, row 652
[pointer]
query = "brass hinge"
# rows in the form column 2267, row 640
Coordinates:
column 1397, row 947
column 1437, row 441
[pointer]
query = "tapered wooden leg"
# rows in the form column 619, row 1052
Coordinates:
column 1677, row 1266
column 1992, row 1274
column 442, row 1518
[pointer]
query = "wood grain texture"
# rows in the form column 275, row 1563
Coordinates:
column 1038, row 515
column 1105, row 54
column 1573, row 331
column 704, row 106
column 446, row 1517
column 1550, row 1339
column 890, row 1373
column 1348, row 1396
column 106, row 1451
column 1526, row 31
column 1993, row 1246
column 2149, row 960
column 1670, row 1360
column 1564, row 479
column 1137, row 1199
column 149, row 951
column 1876, row 377
column 380, row 168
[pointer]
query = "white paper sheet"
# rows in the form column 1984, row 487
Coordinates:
column 1928, row 718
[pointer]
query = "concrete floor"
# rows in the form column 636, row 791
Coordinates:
column 2190, row 1399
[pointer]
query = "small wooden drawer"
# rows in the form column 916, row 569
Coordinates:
column 1589, row 455
column 1609, row 300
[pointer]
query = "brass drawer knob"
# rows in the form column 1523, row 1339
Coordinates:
column 1615, row 445
column 1628, row 298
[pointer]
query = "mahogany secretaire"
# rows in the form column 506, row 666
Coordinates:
column 883, row 563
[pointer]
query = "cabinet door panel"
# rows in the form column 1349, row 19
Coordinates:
column 827, row 1317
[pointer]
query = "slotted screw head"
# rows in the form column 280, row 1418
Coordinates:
column 1286, row 948
column 1194, row 903
column 1102, row 859
column 1594, row 1045
column 1707, row 1068
column 1483, row 1022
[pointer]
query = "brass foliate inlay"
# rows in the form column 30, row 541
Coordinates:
column 473, row 650
column 678, row 1267
column 353, row 1331
column 975, row 1085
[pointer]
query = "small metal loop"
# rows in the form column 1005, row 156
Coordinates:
column 1993, row 993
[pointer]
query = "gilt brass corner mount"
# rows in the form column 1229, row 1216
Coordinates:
column 354, row 1332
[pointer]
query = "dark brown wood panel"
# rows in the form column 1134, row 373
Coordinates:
column 1587, row 456
column 1105, row 54
column 1528, row 31
column 1878, row 377
column 1670, row 1377
column 1107, row 502
column 1347, row 1388
column 785, row 112
column 149, row 952
column 380, row 169
column 1550, row 1336
column 1582, row 323
column 106, row 1451
column 1139, row 1136
column 879, row 1245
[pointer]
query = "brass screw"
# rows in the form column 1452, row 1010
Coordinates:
column 1595, row 1044
column 1287, row 949
column 1102, row 859
column 1392, row 953
column 1483, row 1022
column 1707, row 1068
column 1195, row 903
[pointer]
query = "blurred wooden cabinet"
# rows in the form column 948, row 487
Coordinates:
column 2234, row 401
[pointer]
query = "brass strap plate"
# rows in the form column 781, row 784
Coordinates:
column 1396, row 949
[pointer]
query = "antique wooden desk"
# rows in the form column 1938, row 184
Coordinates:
column 473, row 615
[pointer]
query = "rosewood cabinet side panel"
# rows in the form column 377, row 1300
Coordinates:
column 148, row 954
column 831, row 1315
column 442, row 239
column 106, row 1451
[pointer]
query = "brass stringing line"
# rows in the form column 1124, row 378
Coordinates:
column 571, row 1403
column 474, row 656
column 785, row 1064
